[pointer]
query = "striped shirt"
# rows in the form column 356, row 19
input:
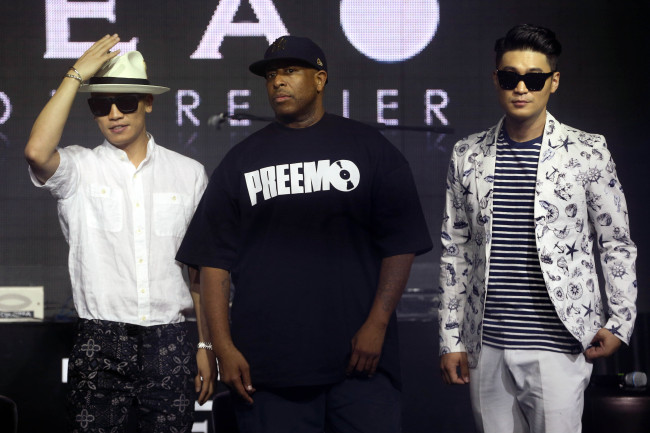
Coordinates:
column 519, row 313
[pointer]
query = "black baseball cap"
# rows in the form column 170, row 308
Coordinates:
column 294, row 48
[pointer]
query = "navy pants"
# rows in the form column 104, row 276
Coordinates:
column 359, row 405
column 118, row 369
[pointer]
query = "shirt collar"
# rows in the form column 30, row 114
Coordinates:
column 120, row 155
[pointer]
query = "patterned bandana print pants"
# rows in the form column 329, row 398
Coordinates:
column 117, row 369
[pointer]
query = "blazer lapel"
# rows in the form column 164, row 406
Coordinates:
column 485, row 165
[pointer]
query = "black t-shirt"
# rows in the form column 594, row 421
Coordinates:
column 302, row 219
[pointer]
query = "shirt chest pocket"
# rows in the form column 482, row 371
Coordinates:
column 105, row 210
column 171, row 213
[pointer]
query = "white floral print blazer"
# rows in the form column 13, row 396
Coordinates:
column 578, row 202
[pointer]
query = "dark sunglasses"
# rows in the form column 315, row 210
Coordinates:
column 101, row 105
column 534, row 81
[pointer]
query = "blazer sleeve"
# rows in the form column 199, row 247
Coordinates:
column 454, row 268
column 608, row 218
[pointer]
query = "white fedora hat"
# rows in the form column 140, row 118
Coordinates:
column 123, row 74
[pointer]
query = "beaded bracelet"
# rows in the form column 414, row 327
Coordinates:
column 76, row 72
column 73, row 76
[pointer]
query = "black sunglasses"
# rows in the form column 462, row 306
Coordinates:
column 101, row 105
column 534, row 81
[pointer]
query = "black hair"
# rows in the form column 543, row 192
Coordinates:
column 529, row 37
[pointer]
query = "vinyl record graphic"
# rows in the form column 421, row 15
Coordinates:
column 344, row 175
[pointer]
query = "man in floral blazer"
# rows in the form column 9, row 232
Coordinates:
column 521, row 313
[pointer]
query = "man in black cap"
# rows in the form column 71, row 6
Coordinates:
column 317, row 220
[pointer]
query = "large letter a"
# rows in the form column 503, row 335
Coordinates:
column 269, row 25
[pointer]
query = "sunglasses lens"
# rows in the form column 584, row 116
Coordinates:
column 535, row 82
column 127, row 103
column 507, row 79
column 101, row 106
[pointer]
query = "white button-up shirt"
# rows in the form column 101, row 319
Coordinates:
column 124, row 225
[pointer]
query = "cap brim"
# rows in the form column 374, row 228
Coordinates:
column 123, row 88
column 259, row 68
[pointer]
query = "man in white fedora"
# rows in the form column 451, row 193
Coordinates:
column 124, row 207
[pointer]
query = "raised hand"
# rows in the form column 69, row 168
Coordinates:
column 95, row 56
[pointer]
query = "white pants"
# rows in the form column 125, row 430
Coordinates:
column 532, row 391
